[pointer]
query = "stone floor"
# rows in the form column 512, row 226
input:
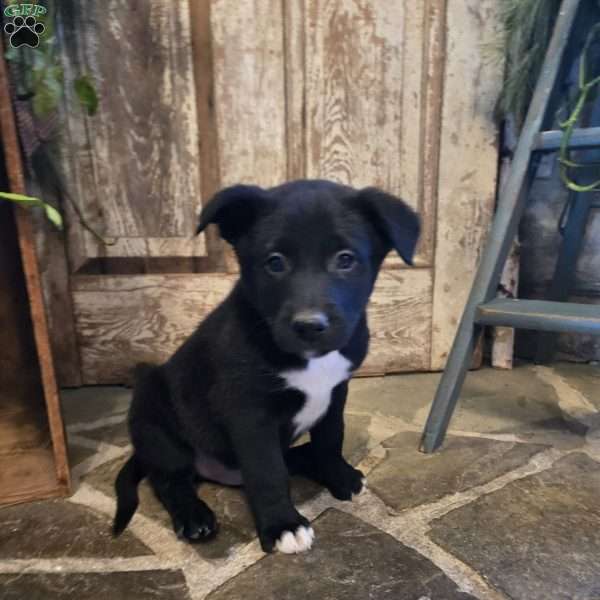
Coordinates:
column 509, row 509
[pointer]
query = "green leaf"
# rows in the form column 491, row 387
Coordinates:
column 86, row 92
column 53, row 216
column 19, row 198
column 51, row 213
column 47, row 90
column 45, row 99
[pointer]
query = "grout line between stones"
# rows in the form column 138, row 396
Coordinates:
column 401, row 426
column 79, row 565
column 104, row 452
column 573, row 403
column 97, row 423
column 159, row 539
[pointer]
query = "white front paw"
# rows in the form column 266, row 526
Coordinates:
column 292, row 543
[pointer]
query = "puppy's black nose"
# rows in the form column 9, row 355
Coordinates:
column 310, row 324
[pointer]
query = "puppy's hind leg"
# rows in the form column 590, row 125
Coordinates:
column 173, row 478
column 168, row 461
column 192, row 518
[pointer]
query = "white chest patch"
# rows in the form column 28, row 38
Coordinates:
column 316, row 380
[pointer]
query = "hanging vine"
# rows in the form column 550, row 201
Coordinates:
column 37, row 82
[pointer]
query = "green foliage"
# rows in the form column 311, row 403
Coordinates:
column 526, row 31
column 40, row 74
column 39, row 78
column 587, row 85
column 527, row 27
column 51, row 213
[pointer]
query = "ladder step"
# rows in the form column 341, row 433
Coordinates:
column 548, row 141
column 540, row 315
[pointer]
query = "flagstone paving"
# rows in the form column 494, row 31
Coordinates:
column 508, row 509
column 353, row 561
column 536, row 538
column 134, row 585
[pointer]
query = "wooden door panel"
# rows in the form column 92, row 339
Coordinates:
column 371, row 72
column 144, row 318
column 400, row 322
column 133, row 167
column 392, row 93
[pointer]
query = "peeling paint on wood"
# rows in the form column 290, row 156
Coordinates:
column 468, row 164
column 133, row 167
column 250, row 91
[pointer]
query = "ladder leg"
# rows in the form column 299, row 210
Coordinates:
column 564, row 273
column 459, row 361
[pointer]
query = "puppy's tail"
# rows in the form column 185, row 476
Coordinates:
column 126, row 487
column 148, row 385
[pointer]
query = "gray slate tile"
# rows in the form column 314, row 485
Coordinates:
column 351, row 561
column 135, row 585
column 537, row 538
column 407, row 477
column 56, row 529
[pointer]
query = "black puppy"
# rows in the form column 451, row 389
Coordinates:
column 270, row 363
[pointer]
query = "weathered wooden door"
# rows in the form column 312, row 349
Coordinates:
column 200, row 94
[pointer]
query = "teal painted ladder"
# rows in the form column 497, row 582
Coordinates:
column 483, row 308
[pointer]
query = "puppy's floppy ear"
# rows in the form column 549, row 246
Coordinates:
column 393, row 219
column 233, row 210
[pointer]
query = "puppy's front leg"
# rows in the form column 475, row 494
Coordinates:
column 266, row 482
column 327, row 439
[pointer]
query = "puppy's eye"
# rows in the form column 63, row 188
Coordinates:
column 345, row 260
column 276, row 263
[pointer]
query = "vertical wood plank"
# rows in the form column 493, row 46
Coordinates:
column 136, row 161
column 208, row 137
column 434, row 51
column 248, row 50
column 295, row 88
column 503, row 343
column 468, row 164
column 27, row 464
column 250, row 91
column 413, row 81
column 504, row 337
column 354, row 91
